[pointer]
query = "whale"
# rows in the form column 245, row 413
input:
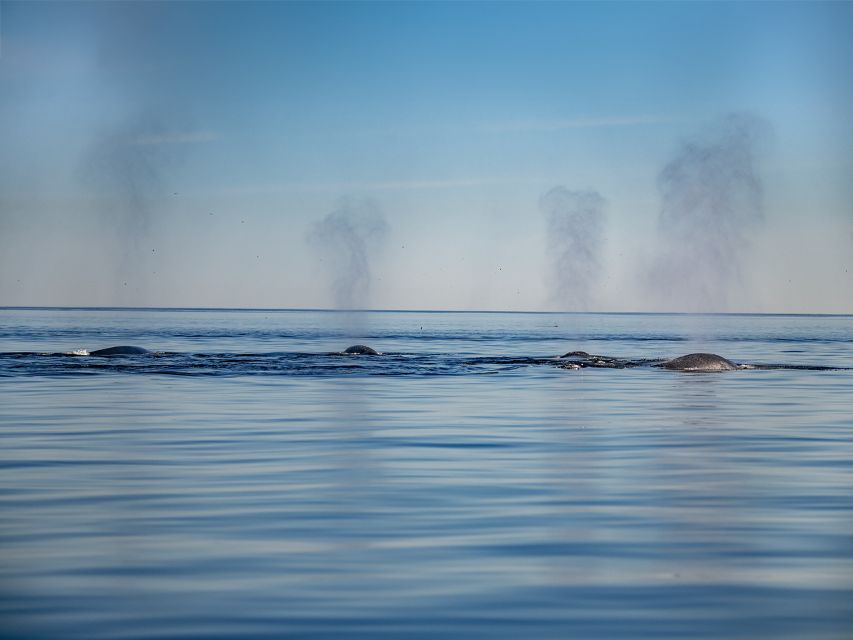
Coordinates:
column 576, row 354
column 360, row 350
column 699, row 362
column 121, row 350
column 689, row 362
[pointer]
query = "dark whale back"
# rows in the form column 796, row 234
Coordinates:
column 123, row 350
column 575, row 354
column 700, row 362
column 360, row 349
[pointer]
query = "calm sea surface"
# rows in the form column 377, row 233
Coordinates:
column 247, row 481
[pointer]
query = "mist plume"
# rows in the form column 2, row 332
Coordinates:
column 128, row 176
column 347, row 240
column 712, row 204
column 575, row 221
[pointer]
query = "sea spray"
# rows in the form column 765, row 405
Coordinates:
column 711, row 205
column 347, row 240
column 127, row 174
column 575, row 227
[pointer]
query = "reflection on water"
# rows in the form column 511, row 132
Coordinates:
column 536, row 503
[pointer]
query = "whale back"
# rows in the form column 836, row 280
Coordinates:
column 700, row 362
column 361, row 349
column 575, row 354
column 121, row 350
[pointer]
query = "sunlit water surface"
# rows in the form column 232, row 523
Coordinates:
column 249, row 482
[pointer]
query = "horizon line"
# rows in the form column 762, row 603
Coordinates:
column 482, row 311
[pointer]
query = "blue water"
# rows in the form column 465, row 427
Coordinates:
column 247, row 481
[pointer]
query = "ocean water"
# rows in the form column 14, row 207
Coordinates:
column 246, row 480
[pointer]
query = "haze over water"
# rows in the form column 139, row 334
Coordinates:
column 407, row 495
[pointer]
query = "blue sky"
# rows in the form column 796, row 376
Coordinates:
column 180, row 154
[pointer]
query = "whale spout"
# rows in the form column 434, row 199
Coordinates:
column 361, row 350
column 122, row 350
column 700, row 362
